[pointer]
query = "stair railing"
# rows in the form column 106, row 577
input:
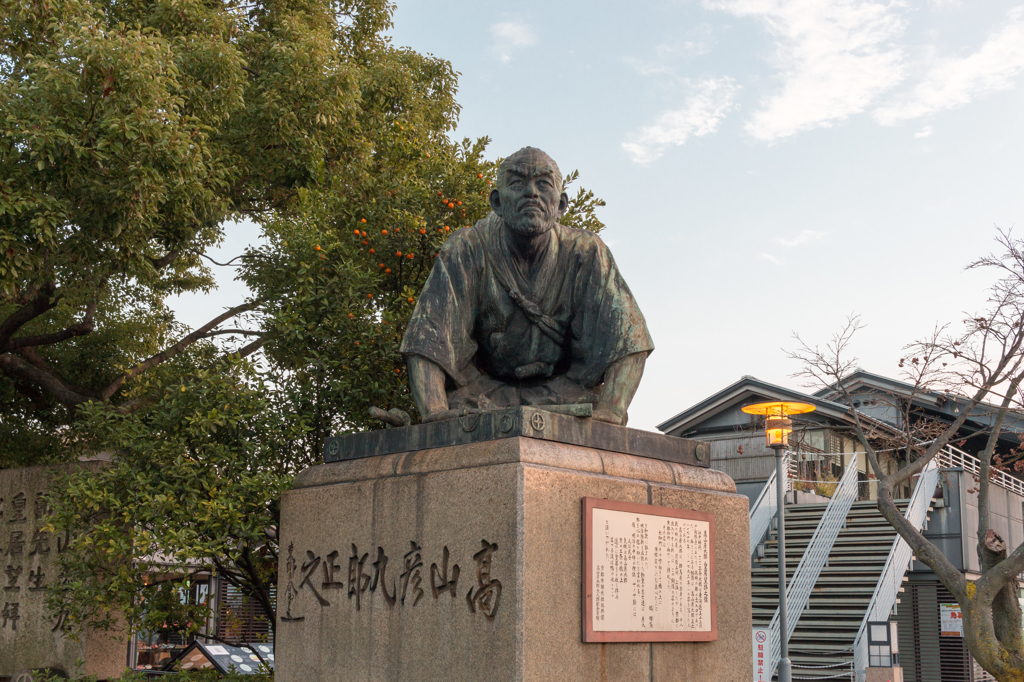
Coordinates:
column 765, row 508
column 952, row 458
column 891, row 580
column 798, row 592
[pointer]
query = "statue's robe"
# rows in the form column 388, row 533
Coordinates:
column 505, row 334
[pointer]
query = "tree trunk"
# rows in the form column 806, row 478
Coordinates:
column 993, row 632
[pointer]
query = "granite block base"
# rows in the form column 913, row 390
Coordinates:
column 464, row 563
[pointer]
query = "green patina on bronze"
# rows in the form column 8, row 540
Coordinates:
column 519, row 310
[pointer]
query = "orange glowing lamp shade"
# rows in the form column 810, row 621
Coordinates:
column 778, row 426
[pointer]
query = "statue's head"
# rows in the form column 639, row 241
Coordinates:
column 529, row 196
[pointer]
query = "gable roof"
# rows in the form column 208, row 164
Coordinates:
column 941, row 404
column 744, row 391
column 862, row 379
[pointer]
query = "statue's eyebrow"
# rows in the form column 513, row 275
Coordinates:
column 524, row 172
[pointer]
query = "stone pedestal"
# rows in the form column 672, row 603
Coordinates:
column 369, row 588
column 30, row 637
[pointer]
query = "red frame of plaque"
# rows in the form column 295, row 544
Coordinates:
column 589, row 634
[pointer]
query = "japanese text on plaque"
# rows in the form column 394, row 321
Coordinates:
column 650, row 573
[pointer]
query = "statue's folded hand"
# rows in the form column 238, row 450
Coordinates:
column 392, row 417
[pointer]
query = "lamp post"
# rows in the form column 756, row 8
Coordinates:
column 778, row 426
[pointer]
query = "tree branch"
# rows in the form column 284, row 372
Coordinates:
column 164, row 261
column 222, row 264
column 16, row 366
column 986, row 466
column 177, row 348
column 37, row 306
column 249, row 349
column 79, row 329
column 240, row 332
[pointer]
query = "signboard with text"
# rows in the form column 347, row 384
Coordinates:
column 762, row 643
column 951, row 620
column 648, row 573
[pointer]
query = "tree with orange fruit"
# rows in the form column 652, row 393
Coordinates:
column 133, row 135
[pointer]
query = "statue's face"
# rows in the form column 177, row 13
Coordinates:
column 530, row 197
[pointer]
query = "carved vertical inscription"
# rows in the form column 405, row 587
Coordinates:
column 30, row 636
column 648, row 573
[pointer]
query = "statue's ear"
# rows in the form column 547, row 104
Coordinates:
column 495, row 200
column 563, row 204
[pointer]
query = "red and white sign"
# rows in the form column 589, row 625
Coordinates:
column 951, row 620
column 762, row 645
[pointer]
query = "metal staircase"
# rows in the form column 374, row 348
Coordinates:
column 821, row 646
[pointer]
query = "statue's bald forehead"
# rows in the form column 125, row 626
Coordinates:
column 528, row 161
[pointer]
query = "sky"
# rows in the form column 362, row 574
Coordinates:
column 770, row 167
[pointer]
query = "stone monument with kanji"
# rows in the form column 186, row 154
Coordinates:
column 519, row 531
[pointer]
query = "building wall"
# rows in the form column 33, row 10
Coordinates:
column 1005, row 518
column 918, row 616
column 944, row 526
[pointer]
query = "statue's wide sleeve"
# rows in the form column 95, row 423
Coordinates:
column 608, row 324
column 441, row 326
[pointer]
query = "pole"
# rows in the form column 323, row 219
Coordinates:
column 785, row 666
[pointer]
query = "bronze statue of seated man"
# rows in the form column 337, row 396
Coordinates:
column 519, row 310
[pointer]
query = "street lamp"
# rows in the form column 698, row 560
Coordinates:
column 777, row 428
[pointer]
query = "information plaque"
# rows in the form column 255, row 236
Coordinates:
column 648, row 573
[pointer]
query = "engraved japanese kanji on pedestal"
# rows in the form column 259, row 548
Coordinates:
column 31, row 636
column 406, row 589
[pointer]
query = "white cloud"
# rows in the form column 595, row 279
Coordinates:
column 954, row 82
column 509, row 36
column 696, row 42
column 710, row 100
column 835, row 58
column 924, row 132
column 804, row 237
column 770, row 258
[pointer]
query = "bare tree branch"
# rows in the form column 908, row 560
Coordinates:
column 177, row 348
column 222, row 264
